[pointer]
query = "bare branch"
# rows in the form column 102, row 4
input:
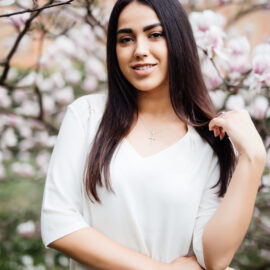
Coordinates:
column 36, row 9
column 21, row 34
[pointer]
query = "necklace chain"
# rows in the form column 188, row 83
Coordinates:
column 153, row 133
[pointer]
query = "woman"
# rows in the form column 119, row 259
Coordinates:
column 146, row 176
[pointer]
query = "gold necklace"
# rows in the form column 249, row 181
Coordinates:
column 152, row 137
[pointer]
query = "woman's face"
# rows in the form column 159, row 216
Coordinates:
column 141, row 48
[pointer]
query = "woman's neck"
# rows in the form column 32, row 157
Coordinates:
column 155, row 103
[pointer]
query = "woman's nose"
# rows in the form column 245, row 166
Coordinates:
column 141, row 49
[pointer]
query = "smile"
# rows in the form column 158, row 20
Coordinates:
column 143, row 67
column 143, row 70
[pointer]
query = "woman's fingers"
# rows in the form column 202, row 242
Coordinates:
column 239, row 127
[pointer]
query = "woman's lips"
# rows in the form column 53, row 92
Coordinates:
column 143, row 70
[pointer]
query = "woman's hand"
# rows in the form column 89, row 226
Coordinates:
column 184, row 263
column 187, row 263
column 241, row 130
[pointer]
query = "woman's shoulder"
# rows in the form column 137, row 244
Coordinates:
column 87, row 104
column 89, row 108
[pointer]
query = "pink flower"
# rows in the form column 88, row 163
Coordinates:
column 48, row 104
column 26, row 229
column 202, row 21
column 218, row 97
column 238, row 46
column 259, row 107
column 212, row 78
column 23, row 169
column 19, row 95
column 239, row 64
column 5, row 100
column 8, row 138
column 90, row 84
column 18, row 21
column 64, row 96
column 261, row 64
column 235, row 102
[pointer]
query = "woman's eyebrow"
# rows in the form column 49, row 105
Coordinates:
column 130, row 31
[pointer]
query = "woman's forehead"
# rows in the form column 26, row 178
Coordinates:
column 137, row 15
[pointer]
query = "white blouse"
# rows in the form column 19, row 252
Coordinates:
column 161, row 203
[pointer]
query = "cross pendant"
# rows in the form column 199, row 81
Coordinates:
column 152, row 138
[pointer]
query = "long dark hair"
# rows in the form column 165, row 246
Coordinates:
column 188, row 94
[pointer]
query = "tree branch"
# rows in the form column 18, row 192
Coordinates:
column 35, row 9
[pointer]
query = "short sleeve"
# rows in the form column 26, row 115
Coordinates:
column 208, row 205
column 61, row 212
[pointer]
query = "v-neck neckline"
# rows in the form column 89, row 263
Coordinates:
column 163, row 151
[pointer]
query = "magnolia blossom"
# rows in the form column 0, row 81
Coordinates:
column 8, row 138
column 235, row 102
column 73, row 76
column 23, row 169
column 258, row 107
column 25, row 130
column 261, row 64
column 26, row 229
column 19, row 95
column 238, row 65
column 218, row 98
column 238, row 57
column 65, row 45
column 63, row 261
column 64, row 96
column 28, row 107
column 19, row 20
column 94, row 67
column 208, row 31
column 211, row 40
column 26, row 144
column 57, row 80
column 42, row 161
column 5, row 100
column 90, row 84
column 83, row 37
column 203, row 21
column 45, row 84
column 48, row 104
column 238, row 46
column 212, row 78
column 27, row 260
column 29, row 79
column 13, row 120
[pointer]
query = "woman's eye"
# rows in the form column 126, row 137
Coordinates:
column 156, row 35
column 125, row 40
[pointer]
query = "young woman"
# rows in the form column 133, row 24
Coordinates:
column 146, row 177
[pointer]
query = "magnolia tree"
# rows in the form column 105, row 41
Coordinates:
column 71, row 62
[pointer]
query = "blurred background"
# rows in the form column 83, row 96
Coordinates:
column 52, row 52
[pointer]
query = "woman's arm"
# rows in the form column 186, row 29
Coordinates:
column 92, row 248
column 226, row 229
